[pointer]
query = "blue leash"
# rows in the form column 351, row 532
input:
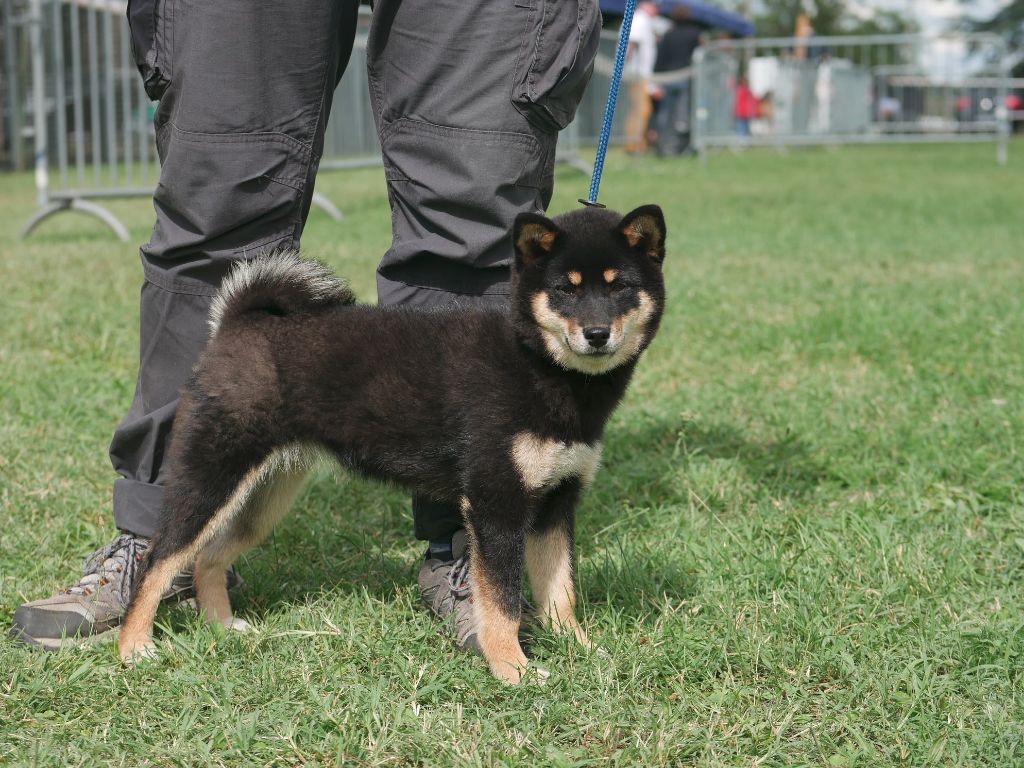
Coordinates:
column 609, row 110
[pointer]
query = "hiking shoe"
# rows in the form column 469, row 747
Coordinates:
column 85, row 611
column 446, row 591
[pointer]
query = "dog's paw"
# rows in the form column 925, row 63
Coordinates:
column 590, row 646
column 239, row 625
column 518, row 674
column 583, row 639
column 138, row 654
column 601, row 652
column 191, row 604
column 536, row 674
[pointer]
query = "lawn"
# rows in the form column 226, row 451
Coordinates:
column 806, row 546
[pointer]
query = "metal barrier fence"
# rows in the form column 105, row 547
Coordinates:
column 91, row 117
column 844, row 90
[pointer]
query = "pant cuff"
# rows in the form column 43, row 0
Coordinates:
column 137, row 506
column 435, row 520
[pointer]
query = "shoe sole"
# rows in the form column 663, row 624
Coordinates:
column 54, row 644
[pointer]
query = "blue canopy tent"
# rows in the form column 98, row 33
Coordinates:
column 700, row 12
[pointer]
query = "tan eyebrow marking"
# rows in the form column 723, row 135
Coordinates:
column 610, row 275
column 575, row 277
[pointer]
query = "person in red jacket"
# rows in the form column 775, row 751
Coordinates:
column 745, row 108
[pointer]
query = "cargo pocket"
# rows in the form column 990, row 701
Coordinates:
column 150, row 24
column 454, row 193
column 224, row 194
column 556, row 60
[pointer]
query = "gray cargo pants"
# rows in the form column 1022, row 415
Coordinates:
column 468, row 98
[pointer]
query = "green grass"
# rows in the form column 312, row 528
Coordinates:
column 806, row 546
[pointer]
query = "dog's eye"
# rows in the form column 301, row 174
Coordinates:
column 566, row 290
column 618, row 287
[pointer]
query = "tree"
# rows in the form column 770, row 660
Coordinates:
column 779, row 16
column 1008, row 22
column 829, row 17
column 881, row 23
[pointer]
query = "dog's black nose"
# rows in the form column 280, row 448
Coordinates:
column 597, row 335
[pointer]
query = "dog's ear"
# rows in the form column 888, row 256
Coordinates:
column 644, row 229
column 534, row 236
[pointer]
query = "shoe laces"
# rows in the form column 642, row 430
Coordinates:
column 458, row 576
column 118, row 562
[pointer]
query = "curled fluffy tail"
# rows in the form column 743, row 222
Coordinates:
column 279, row 282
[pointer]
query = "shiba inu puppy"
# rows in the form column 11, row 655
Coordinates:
column 498, row 410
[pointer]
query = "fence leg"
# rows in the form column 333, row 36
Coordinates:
column 45, row 212
column 38, row 101
column 1005, row 126
column 324, row 203
column 83, row 206
column 573, row 160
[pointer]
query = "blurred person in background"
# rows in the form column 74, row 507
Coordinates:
column 745, row 109
column 643, row 48
column 675, row 53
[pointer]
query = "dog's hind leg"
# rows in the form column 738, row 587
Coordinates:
column 264, row 509
column 211, row 581
column 549, row 561
column 200, row 504
column 136, row 639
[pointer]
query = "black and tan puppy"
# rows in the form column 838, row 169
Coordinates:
column 501, row 411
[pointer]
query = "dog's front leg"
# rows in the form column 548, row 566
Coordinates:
column 497, row 534
column 549, row 560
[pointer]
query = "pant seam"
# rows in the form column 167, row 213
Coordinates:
column 243, row 137
column 198, row 288
column 488, row 292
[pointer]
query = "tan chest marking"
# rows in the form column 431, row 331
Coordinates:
column 544, row 463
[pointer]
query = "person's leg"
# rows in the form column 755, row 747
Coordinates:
column 638, row 117
column 468, row 125
column 664, row 120
column 631, row 128
column 682, row 117
column 240, row 132
column 245, row 87
column 469, row 99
